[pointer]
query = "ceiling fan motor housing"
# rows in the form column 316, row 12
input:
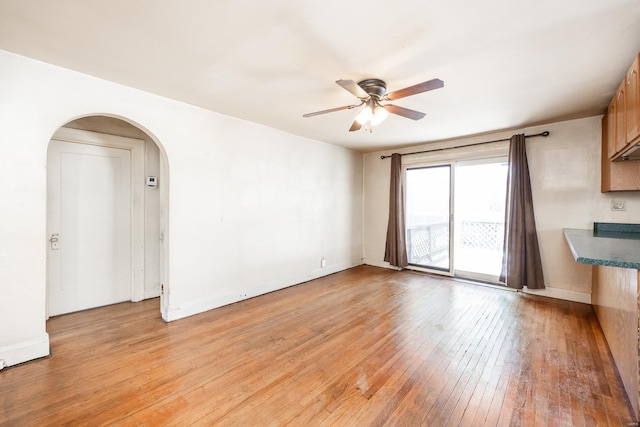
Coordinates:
column 374, row 87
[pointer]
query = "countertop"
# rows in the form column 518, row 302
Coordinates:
column 613, row 245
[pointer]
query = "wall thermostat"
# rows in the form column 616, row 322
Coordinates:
column 152, row 181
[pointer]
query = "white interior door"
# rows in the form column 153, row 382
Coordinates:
column 89, row 208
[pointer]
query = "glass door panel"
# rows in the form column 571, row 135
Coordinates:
column 428, row 203
column 480, row 192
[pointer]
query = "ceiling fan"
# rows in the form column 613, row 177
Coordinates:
column 374, row 91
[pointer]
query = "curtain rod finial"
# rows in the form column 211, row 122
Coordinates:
column 545, row 133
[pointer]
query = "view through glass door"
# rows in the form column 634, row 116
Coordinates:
column 480, row 190
column 455, row 218
column 428, row 213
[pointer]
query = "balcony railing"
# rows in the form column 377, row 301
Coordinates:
column 483, row 235
column 428, row 244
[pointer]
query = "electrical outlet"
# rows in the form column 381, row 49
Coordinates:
column 618, row 205
column 323, row 263
column 2, row 365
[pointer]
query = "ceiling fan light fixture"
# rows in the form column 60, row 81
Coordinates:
column 379, row 114
column 365, row 115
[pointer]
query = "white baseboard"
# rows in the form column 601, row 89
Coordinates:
column 168, row 314
column 550, row 292
column 562, row 294
column 25, row 351
column 381, row 264
column 175, row 312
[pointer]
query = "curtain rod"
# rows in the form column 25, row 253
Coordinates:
column 545, row 134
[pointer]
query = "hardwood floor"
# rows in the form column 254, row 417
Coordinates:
column 367, row 346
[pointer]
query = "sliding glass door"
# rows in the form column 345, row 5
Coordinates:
column 480, row 189
column 455, row 218
column 428, row 213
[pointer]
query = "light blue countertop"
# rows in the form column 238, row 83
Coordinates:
column 608, row 248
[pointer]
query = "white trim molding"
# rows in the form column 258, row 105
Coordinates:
column 563, row 294
column 550, row 292
column 211, row 302
column 25, row 351
column 381, row 264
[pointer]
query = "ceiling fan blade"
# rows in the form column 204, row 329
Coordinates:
column 404, row 112
column 412, row 90
column 353, row 87
column 331, row 110
column 355, row 126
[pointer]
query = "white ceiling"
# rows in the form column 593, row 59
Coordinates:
column 505, row 63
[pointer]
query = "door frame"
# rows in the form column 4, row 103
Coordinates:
column 137, row 150
column 453, row 164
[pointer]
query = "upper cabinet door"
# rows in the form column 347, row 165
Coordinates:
column 620, row 132
column 611, row 129
column 632, row 101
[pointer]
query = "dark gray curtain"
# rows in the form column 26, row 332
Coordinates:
column 396, row 249
column 521, row 264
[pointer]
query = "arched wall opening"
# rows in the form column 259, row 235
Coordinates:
column 149, row 267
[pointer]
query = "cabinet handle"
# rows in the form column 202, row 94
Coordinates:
column 631, row 74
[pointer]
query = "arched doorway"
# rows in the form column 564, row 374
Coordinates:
column 107, row 193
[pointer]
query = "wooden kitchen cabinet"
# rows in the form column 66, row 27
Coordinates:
column 616, row 176
column 624, row 115
column 610, row 132
column 632, row 102
column 614, row 296
column 620, row 133
column 620, row 165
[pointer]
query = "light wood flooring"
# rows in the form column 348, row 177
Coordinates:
column 366, row 346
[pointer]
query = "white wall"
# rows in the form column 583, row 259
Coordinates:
column 251, row 209
column 565, row 179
